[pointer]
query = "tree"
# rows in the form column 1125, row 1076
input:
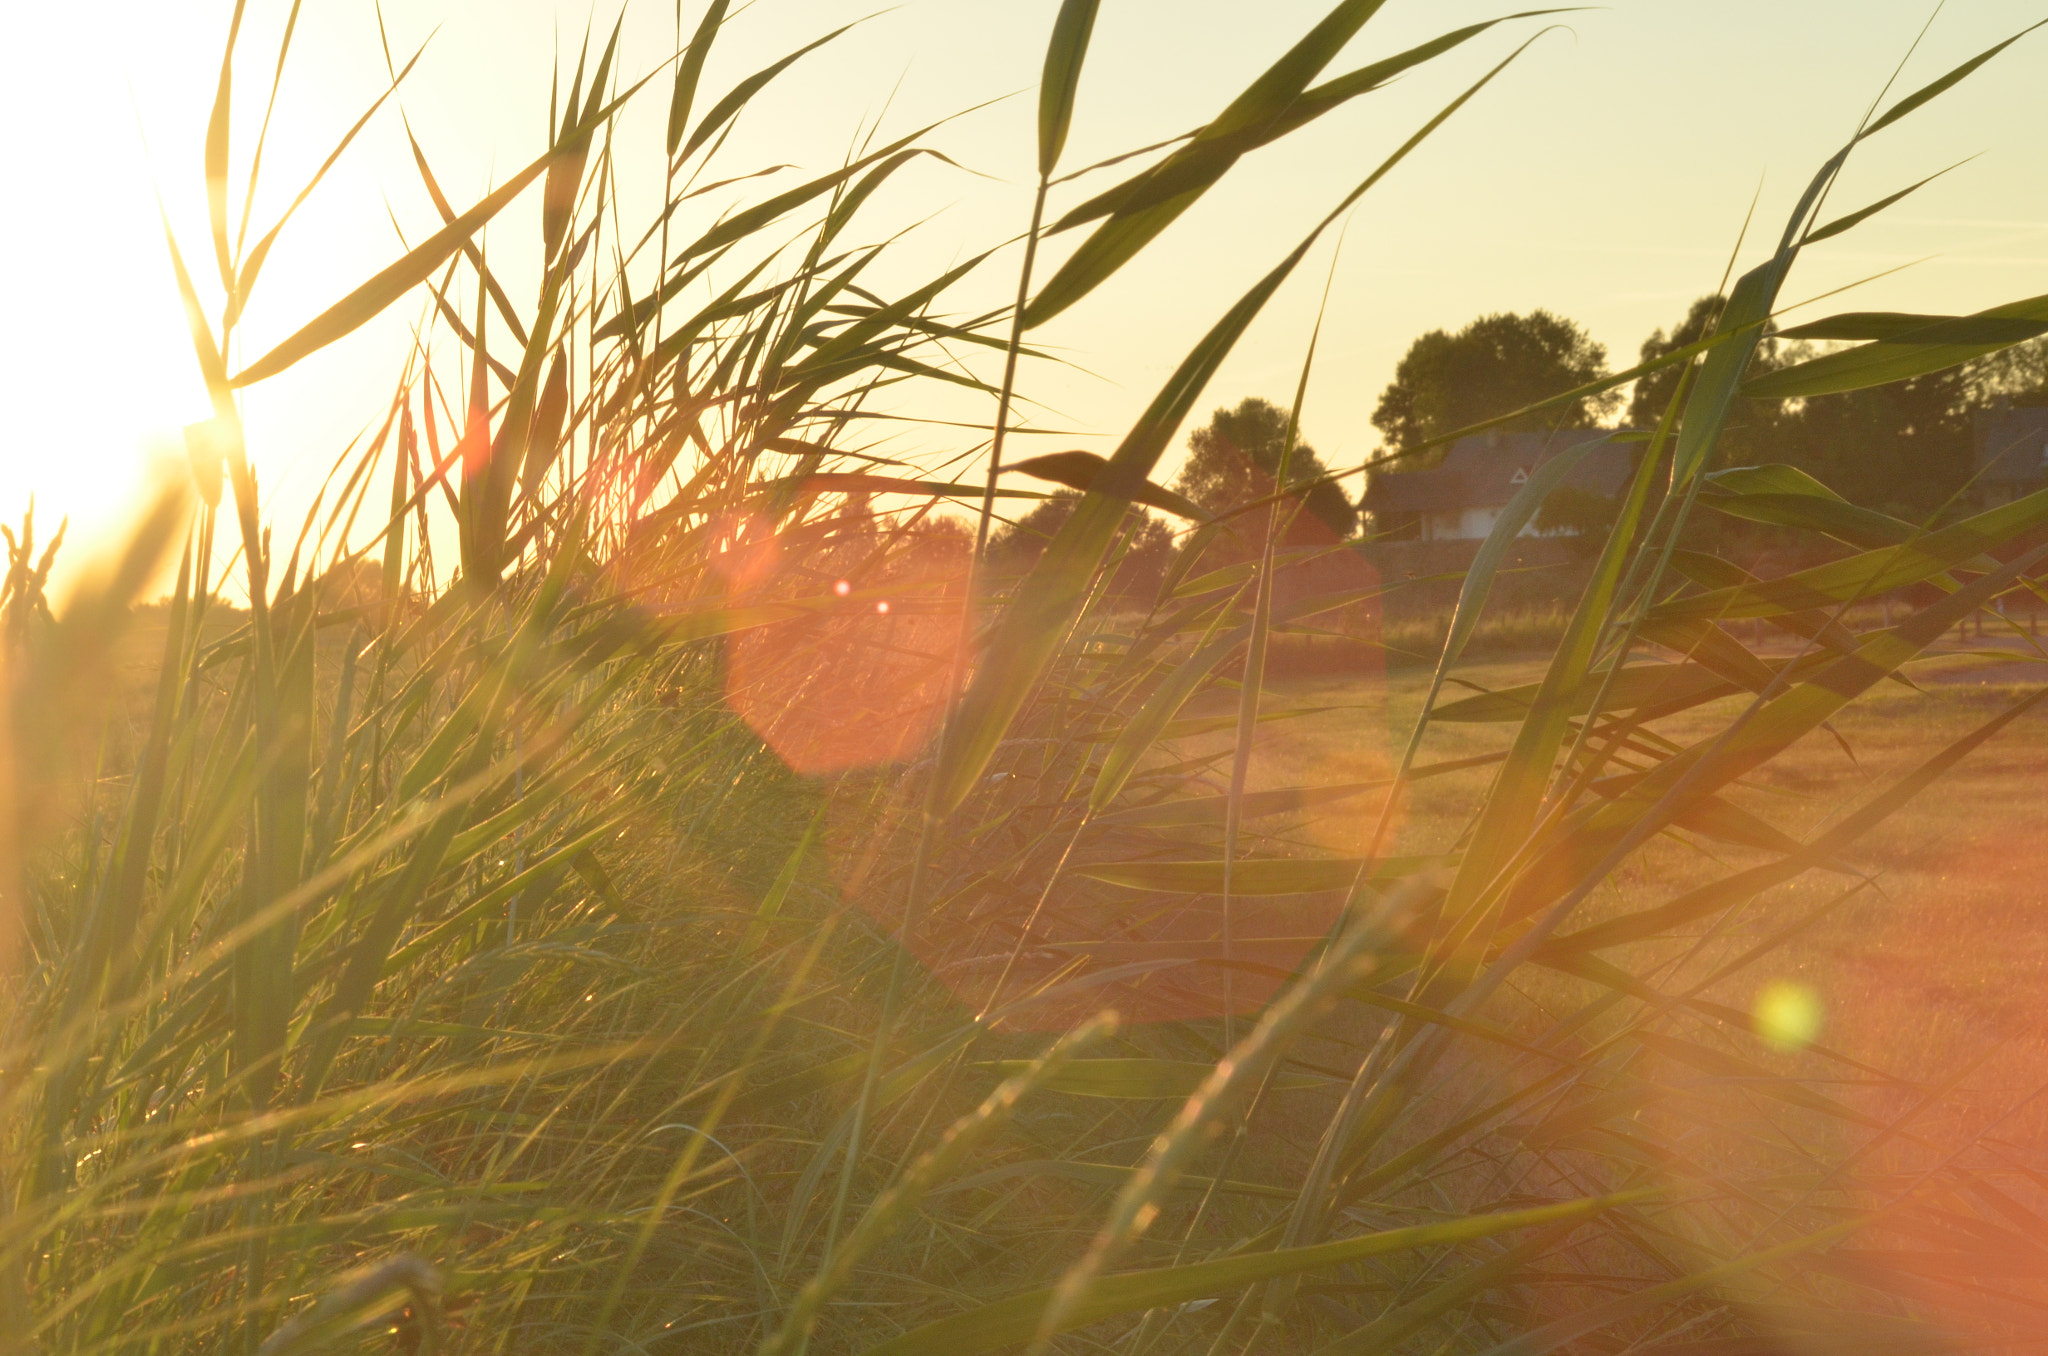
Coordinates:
column 1653, row 392
column 2014, row 376
column 1495, row 364
column 1235, row 460
column 1583, row 518
column 1756, row 430
column 1903, row 447
column 1015, row 547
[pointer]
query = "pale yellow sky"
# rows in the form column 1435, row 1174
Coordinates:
column 1604, row 177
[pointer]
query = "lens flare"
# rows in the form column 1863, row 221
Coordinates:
column 1787, row 1016
column 846, row 682
column 1029, row 957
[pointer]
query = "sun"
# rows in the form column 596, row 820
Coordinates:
column 100, row 375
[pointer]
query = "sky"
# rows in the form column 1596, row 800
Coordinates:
column 1606, row 176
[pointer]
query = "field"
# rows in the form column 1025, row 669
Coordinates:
column 1939, row 959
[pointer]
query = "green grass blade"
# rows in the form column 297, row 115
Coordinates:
column 1060, row 81
column 1145, row 726
column 368, row 301
column 469, row 247
column 1471, row 604
column 1198, row 167
column 1078, row 470
column 1385, row 1332
column 749, row 220
column 1015, row 1319
column 217, row 125
column 960, row 1139
column 1266, row 99
column 1259, row 876
column 1845, row 522
column 252, row 264
column 572, row 151
column 1868, row 573
column 1554, row 1334
column 1946, row 343
column 1208, row 810
column 1500, row 539
column 1029, row 633
column 1801, row 709
column 1741, row 326
column 1033, row 627
column 690, row 70
column 1707, row 900
column 1936, row 88
column 1107, row 1175
column 1877, row 325
column 1852, row 219
column 728, row 108
column 1634, row 686
column 1137, row 1079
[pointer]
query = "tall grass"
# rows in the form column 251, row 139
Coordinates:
column 684, row 923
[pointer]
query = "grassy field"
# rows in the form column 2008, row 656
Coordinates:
column 1925, row 950
column 1942, row 953
column 697, row 913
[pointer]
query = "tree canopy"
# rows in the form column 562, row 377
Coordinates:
column 2016, row 375
column 1904, row 447
column 1498, row 363
column 1652, row 393
column 1015, row 546
column 1235, row 459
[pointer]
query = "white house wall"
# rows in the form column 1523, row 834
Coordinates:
column 1470, row 524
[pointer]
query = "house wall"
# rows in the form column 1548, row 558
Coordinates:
column 1470, row 524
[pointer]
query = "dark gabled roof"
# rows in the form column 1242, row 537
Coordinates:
column 2012, row 446
column 1486, row 470
column 1432, row 491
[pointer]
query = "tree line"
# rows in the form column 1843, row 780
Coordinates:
column 1906, row 448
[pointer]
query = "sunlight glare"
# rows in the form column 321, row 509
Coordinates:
column 1787, row 1016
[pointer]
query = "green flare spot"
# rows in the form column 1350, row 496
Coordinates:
column 1787, row 1016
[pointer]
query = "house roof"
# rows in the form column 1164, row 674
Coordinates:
column 2012, row 446
column 1485, row 471
column 1432, row 491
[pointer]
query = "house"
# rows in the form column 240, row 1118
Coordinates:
column 2012, row 453
column 1459, row 498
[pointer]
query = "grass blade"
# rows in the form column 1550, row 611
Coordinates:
column 690, row 70
column 1060, row 81
column 1016, row 1319
column 1936, row 88
column 1030, row 632
column 368, row 301
column 1259, row 876
column 728, row 108
column 1265, row 100
column 217, row 152
column 1852, row 219
column 1936, row 347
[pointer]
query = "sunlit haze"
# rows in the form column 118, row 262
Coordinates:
column 1604, row 176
